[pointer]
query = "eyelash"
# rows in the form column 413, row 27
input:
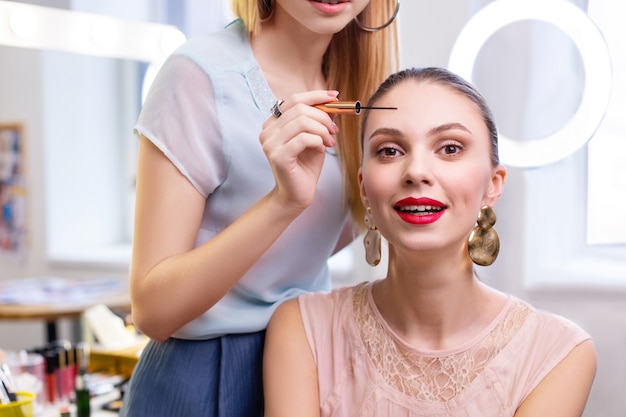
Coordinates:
column 382, row 151
column 446, row 146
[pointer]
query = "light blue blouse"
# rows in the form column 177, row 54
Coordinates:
column 204, row 111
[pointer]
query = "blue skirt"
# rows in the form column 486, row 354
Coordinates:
column 220, row 377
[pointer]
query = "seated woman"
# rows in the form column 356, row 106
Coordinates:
column 430, row 339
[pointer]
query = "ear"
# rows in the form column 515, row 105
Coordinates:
column 362, row 192
column 496, row 187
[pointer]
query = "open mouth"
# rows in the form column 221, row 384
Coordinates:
column 420, row 210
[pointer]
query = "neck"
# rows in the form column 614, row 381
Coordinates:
column 290, row 57
column 435, row 305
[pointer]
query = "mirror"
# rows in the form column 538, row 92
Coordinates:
column 73, row 80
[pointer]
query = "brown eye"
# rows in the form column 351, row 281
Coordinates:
column 451, row 149
column 387, row 152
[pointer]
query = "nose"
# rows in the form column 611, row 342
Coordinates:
column 418, row 170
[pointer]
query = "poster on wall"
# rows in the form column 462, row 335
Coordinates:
column 12, row 193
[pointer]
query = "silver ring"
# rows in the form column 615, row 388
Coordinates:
column 276, row 109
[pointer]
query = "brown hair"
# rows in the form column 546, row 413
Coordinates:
column 355, row 64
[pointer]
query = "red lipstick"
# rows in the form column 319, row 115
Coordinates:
column 421, row 210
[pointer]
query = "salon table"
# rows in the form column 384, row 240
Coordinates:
column 96, row 407
column 52, row 309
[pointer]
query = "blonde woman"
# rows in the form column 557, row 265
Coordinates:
column 244, row 189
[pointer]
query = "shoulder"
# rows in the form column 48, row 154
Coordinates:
column 316, row 310
column 286, row 322
column 285, row 313
column 552, row 326
column 219, row 50
column 329, row 313
column 315, row 306
column 544, row 338
column 545, row 344
column 564, row 390
column 293, row 312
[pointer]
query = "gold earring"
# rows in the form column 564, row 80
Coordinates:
column 483, row 242
column 371, row 241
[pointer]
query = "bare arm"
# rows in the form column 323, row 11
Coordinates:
column 172, row 283
column 289, row 372
column 564, row 391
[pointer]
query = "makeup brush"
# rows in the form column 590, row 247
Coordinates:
column 347, row 107
column 6, row 381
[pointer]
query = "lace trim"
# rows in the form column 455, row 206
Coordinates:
column 430, row 378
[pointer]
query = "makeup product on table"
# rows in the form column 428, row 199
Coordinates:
column 82, row 392
column 4, row 394
column 52, row 363
column 28, row 371
column 83, row 407
column 7, row 385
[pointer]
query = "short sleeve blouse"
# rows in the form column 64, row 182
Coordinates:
column 204, row 111
column 366, row 370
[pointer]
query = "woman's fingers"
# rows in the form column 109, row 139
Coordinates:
column 301, row 104
column 301, row 118
column 310, row 98
column 294, row 140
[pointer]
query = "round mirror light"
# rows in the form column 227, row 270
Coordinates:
column 596, row 61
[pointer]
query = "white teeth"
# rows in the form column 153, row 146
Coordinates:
column 420, row 209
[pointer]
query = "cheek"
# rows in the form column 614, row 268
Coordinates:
column 360, row 5
column 468, row 188
column 376, row 185
column 371, row 189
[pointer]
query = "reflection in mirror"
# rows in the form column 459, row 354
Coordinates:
column 78, row 113
column 74, row 79
column 89, row 106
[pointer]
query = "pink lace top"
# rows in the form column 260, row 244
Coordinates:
column 365, row 369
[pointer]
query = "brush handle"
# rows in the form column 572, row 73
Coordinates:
column 340, row 107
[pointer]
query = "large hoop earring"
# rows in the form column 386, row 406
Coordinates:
column 377, row 28
column 266, row 10
column 483, row 242
column 371, row 241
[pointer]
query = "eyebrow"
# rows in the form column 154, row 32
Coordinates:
column 389, row 131
column 448, row 126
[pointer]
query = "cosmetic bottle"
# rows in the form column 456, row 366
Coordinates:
column 81, row 391
column 83, row 407
column 52, row 363
column 60, row 375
